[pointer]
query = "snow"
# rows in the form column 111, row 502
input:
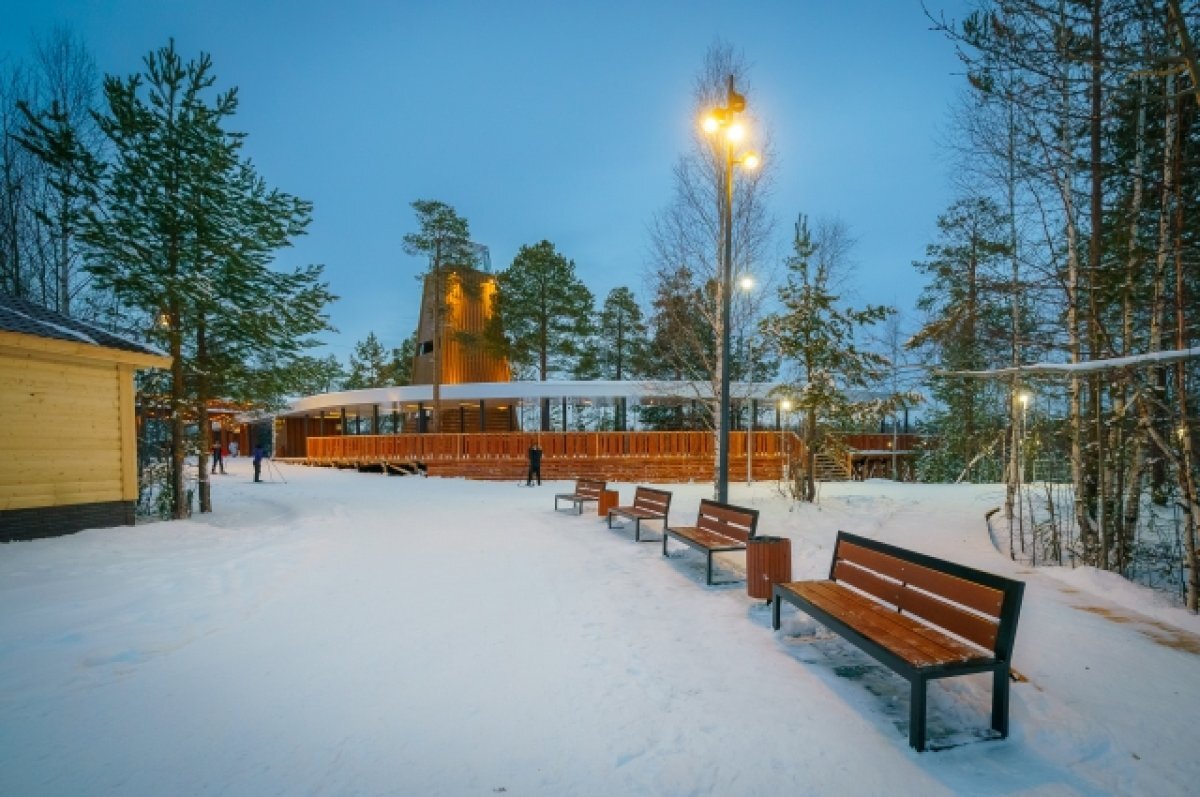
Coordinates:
column 353, row 634
column 1089, row 366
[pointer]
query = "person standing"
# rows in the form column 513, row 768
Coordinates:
column 258, row 458
column 233, row 448
column 535, row 465
column 218, row 460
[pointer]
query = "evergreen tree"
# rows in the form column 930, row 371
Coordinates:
column 618, row 349
column 372, row 365
column 182, row 231
column 310, row 375
column 545, row 311
column 817, row 334
column 401, row 366
column 679, row 328
column 966, row 303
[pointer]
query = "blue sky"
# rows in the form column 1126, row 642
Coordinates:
column 556, row 120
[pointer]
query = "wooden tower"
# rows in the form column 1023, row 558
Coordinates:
column 468, row 299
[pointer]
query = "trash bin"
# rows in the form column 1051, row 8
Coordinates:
column 608, row 500
column 768, row 562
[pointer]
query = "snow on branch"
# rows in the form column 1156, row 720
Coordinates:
column 1089, row 366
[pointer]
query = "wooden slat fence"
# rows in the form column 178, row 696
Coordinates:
column 618, row 456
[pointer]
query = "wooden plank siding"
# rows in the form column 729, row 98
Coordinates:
column 68, row 435
column 468, row 301
column 624, row 456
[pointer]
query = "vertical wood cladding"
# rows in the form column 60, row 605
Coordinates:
column 468, row 299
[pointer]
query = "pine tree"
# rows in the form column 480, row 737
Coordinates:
column 545, row 310
column 183, row 232
column 369, row 365
column 966, row 302
column 816, row 334
column 618, row 349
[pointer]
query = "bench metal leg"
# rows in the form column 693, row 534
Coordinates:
column 637, row 529
column 708, row 577
column 665, row 535
column 1000, row 700
column 916, row 715
column 775, row 611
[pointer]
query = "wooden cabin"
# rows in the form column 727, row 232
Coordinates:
column 68, row 448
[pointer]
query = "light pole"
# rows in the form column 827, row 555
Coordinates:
column 746, row 283
column 724, row 119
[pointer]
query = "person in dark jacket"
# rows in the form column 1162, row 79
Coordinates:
column 535, row 465
column 258, row 458
column 218, row 461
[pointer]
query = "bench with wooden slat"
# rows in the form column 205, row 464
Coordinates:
column 719, row 528
column 649, row 503
column 585, row 490
column 923, row 617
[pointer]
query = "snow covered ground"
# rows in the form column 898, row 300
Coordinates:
column 353, row 634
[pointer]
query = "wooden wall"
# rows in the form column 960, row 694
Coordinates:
column 67, row 433
column 468, row 299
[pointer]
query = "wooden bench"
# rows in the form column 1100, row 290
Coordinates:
column 921, row 616
column 585, row 490
column 719, row 528
column 649, row 503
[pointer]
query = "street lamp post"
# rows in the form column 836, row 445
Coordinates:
column 746, row 283
column 724, row 119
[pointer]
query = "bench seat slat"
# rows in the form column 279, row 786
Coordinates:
column 637, row 512
column 918, row 644
column 708, row 539
column 862, row 614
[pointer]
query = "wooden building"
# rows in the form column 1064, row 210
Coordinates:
column 468, row 306
column 68, row 448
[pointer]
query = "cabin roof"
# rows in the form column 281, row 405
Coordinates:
column 25, row 317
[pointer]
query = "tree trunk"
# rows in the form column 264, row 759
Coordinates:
column 179, row 503
column 204, row 485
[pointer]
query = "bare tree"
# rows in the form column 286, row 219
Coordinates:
column 686, row 237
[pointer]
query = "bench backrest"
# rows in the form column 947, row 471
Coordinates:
column 731, row 521
column 975, row 605
column 653, row 500
column 589, row 488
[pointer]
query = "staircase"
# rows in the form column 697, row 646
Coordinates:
column 830, row 468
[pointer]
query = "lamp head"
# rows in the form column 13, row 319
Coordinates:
column 714, row 120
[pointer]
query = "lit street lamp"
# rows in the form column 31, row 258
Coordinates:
column 725, row 120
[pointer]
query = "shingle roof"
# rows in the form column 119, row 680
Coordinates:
column 19, row 315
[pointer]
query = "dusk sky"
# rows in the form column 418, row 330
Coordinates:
column 551, row 120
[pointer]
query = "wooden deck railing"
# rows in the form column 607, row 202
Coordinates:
column 649, row 456
column 555, row 445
